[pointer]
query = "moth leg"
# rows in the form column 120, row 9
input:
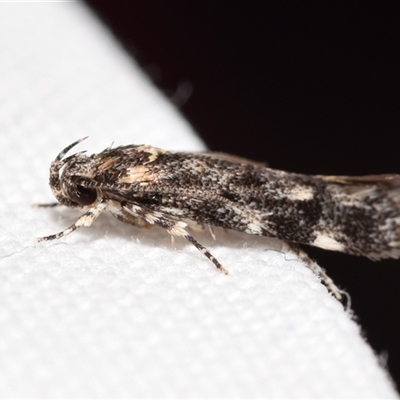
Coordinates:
column 204, row 250
column 212, row 233
column 174, row 228
column 86, row 219
column 328, row 282
column 124, row 216
column 177, row 228
column 45, row 205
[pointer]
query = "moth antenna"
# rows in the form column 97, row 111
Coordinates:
column 68, row 148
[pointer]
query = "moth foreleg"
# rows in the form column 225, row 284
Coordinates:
column 86, row 219
column 45, row 205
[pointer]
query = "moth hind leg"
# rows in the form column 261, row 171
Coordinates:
column 317, row 270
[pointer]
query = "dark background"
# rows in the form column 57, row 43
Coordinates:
column 309, row 87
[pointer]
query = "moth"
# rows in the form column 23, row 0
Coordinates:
column 144, row 185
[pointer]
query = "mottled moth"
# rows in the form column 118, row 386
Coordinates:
column 144, row 185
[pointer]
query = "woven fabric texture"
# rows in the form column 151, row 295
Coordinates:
column 112, row 310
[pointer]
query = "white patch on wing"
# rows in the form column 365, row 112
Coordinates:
column 254, row 228
column 326, row 242
column 300, row 193
column 138, row 174
column 153, row 152
column 172, row 211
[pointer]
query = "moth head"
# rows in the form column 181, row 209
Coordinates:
column 67, row 179
column 80, row 195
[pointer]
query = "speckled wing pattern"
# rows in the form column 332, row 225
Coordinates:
column 144, row 185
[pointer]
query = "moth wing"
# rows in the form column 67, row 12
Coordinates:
column 361, row 186
column 233, row 159
column 384, row 179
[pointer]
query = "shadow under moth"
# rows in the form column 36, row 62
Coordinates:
column 144, row 185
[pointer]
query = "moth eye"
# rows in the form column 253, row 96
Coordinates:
column 83, row 196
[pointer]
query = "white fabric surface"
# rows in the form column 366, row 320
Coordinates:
column 112, row 310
